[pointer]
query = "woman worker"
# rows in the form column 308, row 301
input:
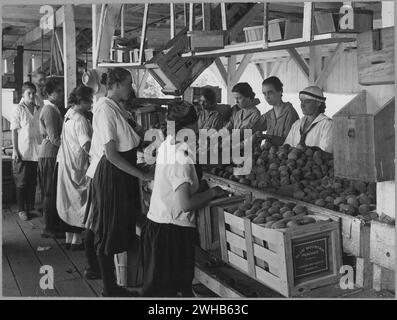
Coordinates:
column 315, row 128
column 168, row 235
column 73, row 161
column 115, row 185
column 209, row 117
column 248, row 115
column 277, row 122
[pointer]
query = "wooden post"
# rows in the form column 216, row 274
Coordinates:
column 224, row 18
column 314, row 64
column 266, row 23
column 143, row 35
column 95, row 21
column 27, row 63
column 69, row 49
column 191, row 16
column 231, row 69
column 172, row 20
column 122, row 30
column 307, row 33
column 18, row 70
column 330, row 65
column 206, row 10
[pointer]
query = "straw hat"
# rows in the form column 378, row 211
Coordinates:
column 312, row 93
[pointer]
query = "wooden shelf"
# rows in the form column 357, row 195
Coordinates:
column 259, row 46
column 133, row 65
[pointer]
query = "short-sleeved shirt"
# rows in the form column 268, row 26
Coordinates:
column 78, row 131
column 28, row 128
column 319, row 136
column 281, row 125
column 244, row 119
column 110, row 123
column 174, row 167
column 210, row 119
column 51, row 121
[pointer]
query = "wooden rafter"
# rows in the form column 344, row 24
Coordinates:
column 330, row 65
column 241, row 68
column 300, row 62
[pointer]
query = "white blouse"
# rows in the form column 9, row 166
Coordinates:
column 28, row 128
column 173, row 168
column 110, row 123
column 319, row 136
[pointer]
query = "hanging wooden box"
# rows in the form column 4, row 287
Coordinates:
column 206, row 40
column 364, row 143
column 293, row 29
column 173, row 72
column 290, row 261
column 375, row 54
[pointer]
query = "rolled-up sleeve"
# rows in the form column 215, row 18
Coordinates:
column 106, row 121
column 15, row 119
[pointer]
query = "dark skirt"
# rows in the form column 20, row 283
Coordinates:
column 167, row 253
column 115, row 205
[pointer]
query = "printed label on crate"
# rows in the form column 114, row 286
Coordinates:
column 310, row 257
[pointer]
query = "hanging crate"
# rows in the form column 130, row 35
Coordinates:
column 290, row 261
column 375, row 55
column 364, row 142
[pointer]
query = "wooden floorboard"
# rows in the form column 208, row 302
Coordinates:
column 23, row 262
column 77, row 258
column 68, row 280
column 9, row 286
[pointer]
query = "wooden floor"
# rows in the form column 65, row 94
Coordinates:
column 22, row 260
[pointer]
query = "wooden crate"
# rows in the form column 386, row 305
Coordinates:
column 363, row 142
column 355, row 232
column 149, row 115
column 275, row 257
column 206, row 40
column 172, row 72
column 383, row 255
column 375, row 54
column 293, row 29
column 276, row 30
column 208, row 223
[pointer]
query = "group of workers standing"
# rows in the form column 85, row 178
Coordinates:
column 89, row 177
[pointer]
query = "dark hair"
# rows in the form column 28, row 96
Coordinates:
column 113, row 76
column 275, row 82
column 322, row 107
column 79, row 94
column 183, row 113
column 244, row 89
column 28, row 85
column 209, row 95
column 52, row 85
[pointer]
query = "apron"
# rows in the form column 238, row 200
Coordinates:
column 72, row 186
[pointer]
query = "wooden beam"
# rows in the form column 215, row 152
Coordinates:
column 224, row 18
column 241, row 68
column 172, row 20
column 122, row 29
column 265, row 23
column 299, row 61
column 314, row 64
column 221, row 69
column 35, row 34
column 275, row 68
column 330, row 65
column 69, row 49
column 143, row 36
column 95, row 22
column 307, row 34
column 231, row 69
column 109, row 26
column 191, row 16
column 258, row 67
column 206, row 13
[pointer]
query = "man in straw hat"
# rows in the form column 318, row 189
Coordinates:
column 314, row 129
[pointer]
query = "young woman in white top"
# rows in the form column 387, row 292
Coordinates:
column 115, row 185
column 26, row 139
column 73, row 161
column 169, row 235
column 314, row 129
